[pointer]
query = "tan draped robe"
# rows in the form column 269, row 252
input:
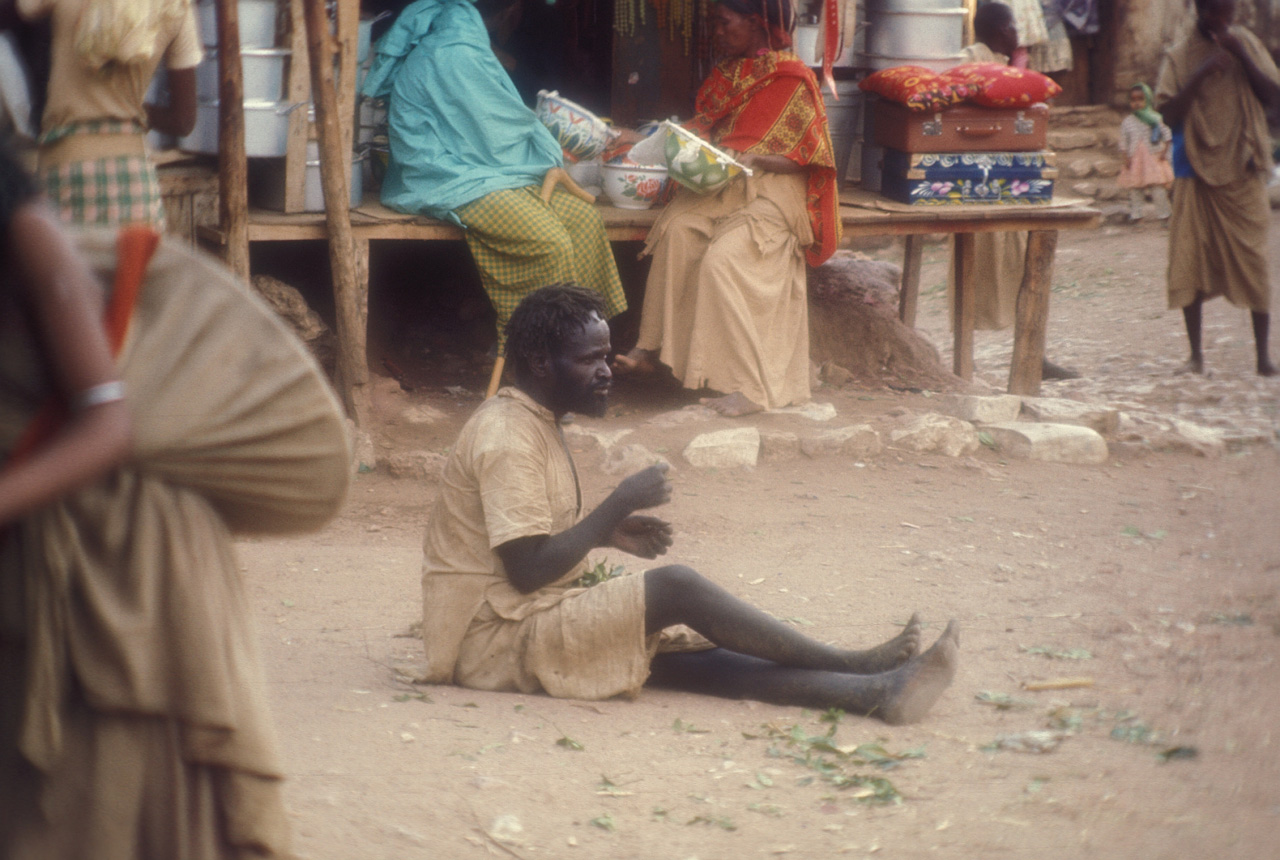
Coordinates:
column 1218, row 231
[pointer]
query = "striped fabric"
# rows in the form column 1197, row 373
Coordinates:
column 104, row 191
column 520, row 244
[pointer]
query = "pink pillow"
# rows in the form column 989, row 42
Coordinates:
column 994, row 85
column 914, row 86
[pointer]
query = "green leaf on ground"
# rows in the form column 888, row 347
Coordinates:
column 569, row 743
column 1002, row 701
column 1056, row 653
column 688, row 728
column 722, row 822
column 1173, row 753
column 604, row 822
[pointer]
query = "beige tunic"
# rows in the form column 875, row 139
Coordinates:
column 78, row 93
column 726, row 305
column 510, row 476
column 133, row 717
column 1218, row 230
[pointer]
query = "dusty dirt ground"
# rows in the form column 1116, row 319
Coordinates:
column 1155, row 575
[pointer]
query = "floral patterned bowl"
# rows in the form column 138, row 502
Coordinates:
column 581, row 134
column 632, row 186
column 696, row 164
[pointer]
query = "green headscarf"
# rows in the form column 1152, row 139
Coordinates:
column 1147, row 113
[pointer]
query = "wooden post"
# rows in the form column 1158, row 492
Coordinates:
column 233, row 180
column 335, row 164
column 909, row 296
column 963, row 307
column 1032, row 313
column 297, row 90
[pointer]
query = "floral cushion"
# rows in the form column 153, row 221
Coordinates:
column 914, row 86
column 994, row 85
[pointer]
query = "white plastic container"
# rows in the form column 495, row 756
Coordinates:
column 933, row 33
column 263, row 68
column 266, row 129
column 257, row 23
column 267, row 189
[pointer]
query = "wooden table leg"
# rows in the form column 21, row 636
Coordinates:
column 963, row 308
column 909, row 296
column 1032, row 313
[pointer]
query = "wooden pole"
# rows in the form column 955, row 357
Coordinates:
column 233, row 180
column 335, row 164
column 1032, row 313
column 963, row 307
column 909, row 296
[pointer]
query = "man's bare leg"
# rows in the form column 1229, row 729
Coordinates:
column 676, row 594
column 733, row 405
column 1261, row 333
column 1191, row 316
column 902, row 695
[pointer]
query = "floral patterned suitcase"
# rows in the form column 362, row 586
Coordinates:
column 939, row 178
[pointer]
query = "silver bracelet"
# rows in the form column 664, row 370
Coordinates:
column 98, row 395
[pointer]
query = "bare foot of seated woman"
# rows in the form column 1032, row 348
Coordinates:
column 732, row 405
column 636, row 361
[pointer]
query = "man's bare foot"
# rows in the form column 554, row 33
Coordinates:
column 914, row 687
column 637, row 361
column 1266, row 368
column 1193, row 365
column 732, row 405
column 889, row 655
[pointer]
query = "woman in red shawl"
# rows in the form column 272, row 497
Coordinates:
column 725, row 305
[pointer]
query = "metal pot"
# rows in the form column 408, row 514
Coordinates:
column 268, row 189
column 263, row 68
column 266, row 128
column 931, row 34
column 257, row 23
column 934, row 64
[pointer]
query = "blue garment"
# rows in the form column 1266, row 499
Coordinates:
column 1182, row 168
column 457, row 127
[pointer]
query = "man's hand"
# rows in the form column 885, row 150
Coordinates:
column 645, row 489
column 646, row 537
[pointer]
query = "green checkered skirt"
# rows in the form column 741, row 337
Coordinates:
column 520, row 244
column 103, row 191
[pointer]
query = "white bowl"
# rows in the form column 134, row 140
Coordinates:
column 631, row 186
column 696, row 164
column 581, row 133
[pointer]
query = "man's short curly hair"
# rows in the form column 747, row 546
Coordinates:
column 545, row 319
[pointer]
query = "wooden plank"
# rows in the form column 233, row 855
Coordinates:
column 1032, row 313
column 297, row 91
column 962, row 297
column 350, row 296
column 233, row 180
column 909, row 295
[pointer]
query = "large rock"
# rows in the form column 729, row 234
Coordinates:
column 991, row 409
column 1193, row 438
column 724, row 449
column 853, row 323
column 779, row 446
column 1060, row 410
column 859, row 441
column 1052, row 443
column 933, row 432
column 629, row 459
column 1071, row 138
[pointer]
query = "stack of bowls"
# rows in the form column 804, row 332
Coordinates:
column 266, row 114
column 581, row 134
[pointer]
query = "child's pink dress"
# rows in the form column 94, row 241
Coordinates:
column 1144, row 169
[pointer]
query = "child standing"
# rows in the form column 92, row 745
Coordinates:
column 1144, row 139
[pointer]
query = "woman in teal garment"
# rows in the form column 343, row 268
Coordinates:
column 466, row 149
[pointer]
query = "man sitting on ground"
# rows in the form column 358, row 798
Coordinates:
column 506, row 544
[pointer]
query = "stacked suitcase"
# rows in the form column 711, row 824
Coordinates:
column 964, row 154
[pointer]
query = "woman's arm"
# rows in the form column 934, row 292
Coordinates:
column 67, row 307
column 771, row 163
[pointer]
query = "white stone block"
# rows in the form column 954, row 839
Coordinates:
column 1052, row 443
column 724, row 449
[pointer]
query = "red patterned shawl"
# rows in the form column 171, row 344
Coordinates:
column 771, row 105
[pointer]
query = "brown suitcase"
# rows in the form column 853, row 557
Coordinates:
column 960, row 128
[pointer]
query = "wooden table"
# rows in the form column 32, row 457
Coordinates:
column 868, row 214
column 863, row 214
